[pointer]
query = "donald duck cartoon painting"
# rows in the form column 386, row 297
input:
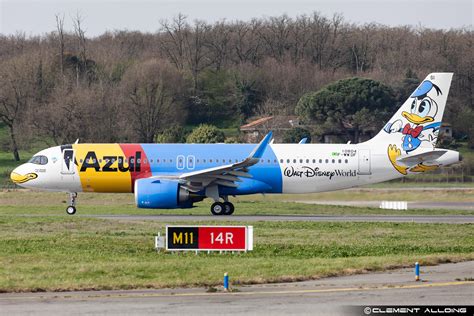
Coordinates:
column 423, row 110
column 418, row 122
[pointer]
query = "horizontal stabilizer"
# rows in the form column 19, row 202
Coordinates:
column 426, row 156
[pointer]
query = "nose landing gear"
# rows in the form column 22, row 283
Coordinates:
column 71, row 209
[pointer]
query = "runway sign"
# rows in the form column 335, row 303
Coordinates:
column 209, row 238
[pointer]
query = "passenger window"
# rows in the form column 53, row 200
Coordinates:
column 339, row 161
column 333, row 161
column 347, row 161
column 294, row 160
column 307, row 160
column 320, row 161
column 327, row 160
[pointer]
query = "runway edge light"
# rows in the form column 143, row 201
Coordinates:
column 417, row 271
column 226, row 281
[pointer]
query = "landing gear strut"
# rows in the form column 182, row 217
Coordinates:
column 71, row 209
column 219, row 208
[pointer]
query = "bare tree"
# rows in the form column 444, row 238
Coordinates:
column 245, row 43
column 80, row 33
column 16, row 92
column 153, row 89
column 217, row 42
column 275, row 34
column 173, row 40
column 195, row 49
column 60, row 30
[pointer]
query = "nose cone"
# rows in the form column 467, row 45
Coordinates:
column 19, row 176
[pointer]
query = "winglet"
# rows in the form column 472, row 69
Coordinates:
column 303, row 140
column 257, row 153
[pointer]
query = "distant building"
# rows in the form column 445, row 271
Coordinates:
column 254, row 131
column 349, row 134
column 446, row 132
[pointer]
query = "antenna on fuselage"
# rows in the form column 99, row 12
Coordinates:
column 77, row 141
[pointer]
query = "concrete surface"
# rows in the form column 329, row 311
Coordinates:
column 411, row 205
column 450, row 219
column 443, row 284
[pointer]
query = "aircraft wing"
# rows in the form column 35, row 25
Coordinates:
column 427, row 156
column 225, row 175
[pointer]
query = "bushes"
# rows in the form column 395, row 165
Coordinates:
column 206, row 133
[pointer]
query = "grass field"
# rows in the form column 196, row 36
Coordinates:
column 46, row 203
column 72, row 253
column 61, row 252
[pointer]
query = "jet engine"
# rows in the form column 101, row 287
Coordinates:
column 161, row 193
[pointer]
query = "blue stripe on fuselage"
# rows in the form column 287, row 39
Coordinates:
column 268, row 171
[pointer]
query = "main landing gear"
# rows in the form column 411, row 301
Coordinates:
column 71, row 209
column 219, row 208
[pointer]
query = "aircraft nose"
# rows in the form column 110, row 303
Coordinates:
column 19, row 175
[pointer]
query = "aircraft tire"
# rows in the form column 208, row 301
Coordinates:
column 228, row 208
column 217, row 208
column 71, row 210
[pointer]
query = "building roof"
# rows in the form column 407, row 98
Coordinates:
column 274, row 122
column 256, row 123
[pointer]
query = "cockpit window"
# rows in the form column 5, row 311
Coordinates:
column 39, row 160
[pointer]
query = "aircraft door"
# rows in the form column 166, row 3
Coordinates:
column 67, row 166
column 364, row 162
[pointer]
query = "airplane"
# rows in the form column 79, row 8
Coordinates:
column 173, row 176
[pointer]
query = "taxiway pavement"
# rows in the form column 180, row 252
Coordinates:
column 444, row 284
column 449, row 219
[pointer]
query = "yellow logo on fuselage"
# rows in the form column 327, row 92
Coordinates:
column 96, row 166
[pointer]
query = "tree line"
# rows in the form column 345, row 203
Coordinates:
column 130, row 86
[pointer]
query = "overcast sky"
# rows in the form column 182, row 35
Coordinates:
column 37, row 16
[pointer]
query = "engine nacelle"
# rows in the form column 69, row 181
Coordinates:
column 161, row 193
